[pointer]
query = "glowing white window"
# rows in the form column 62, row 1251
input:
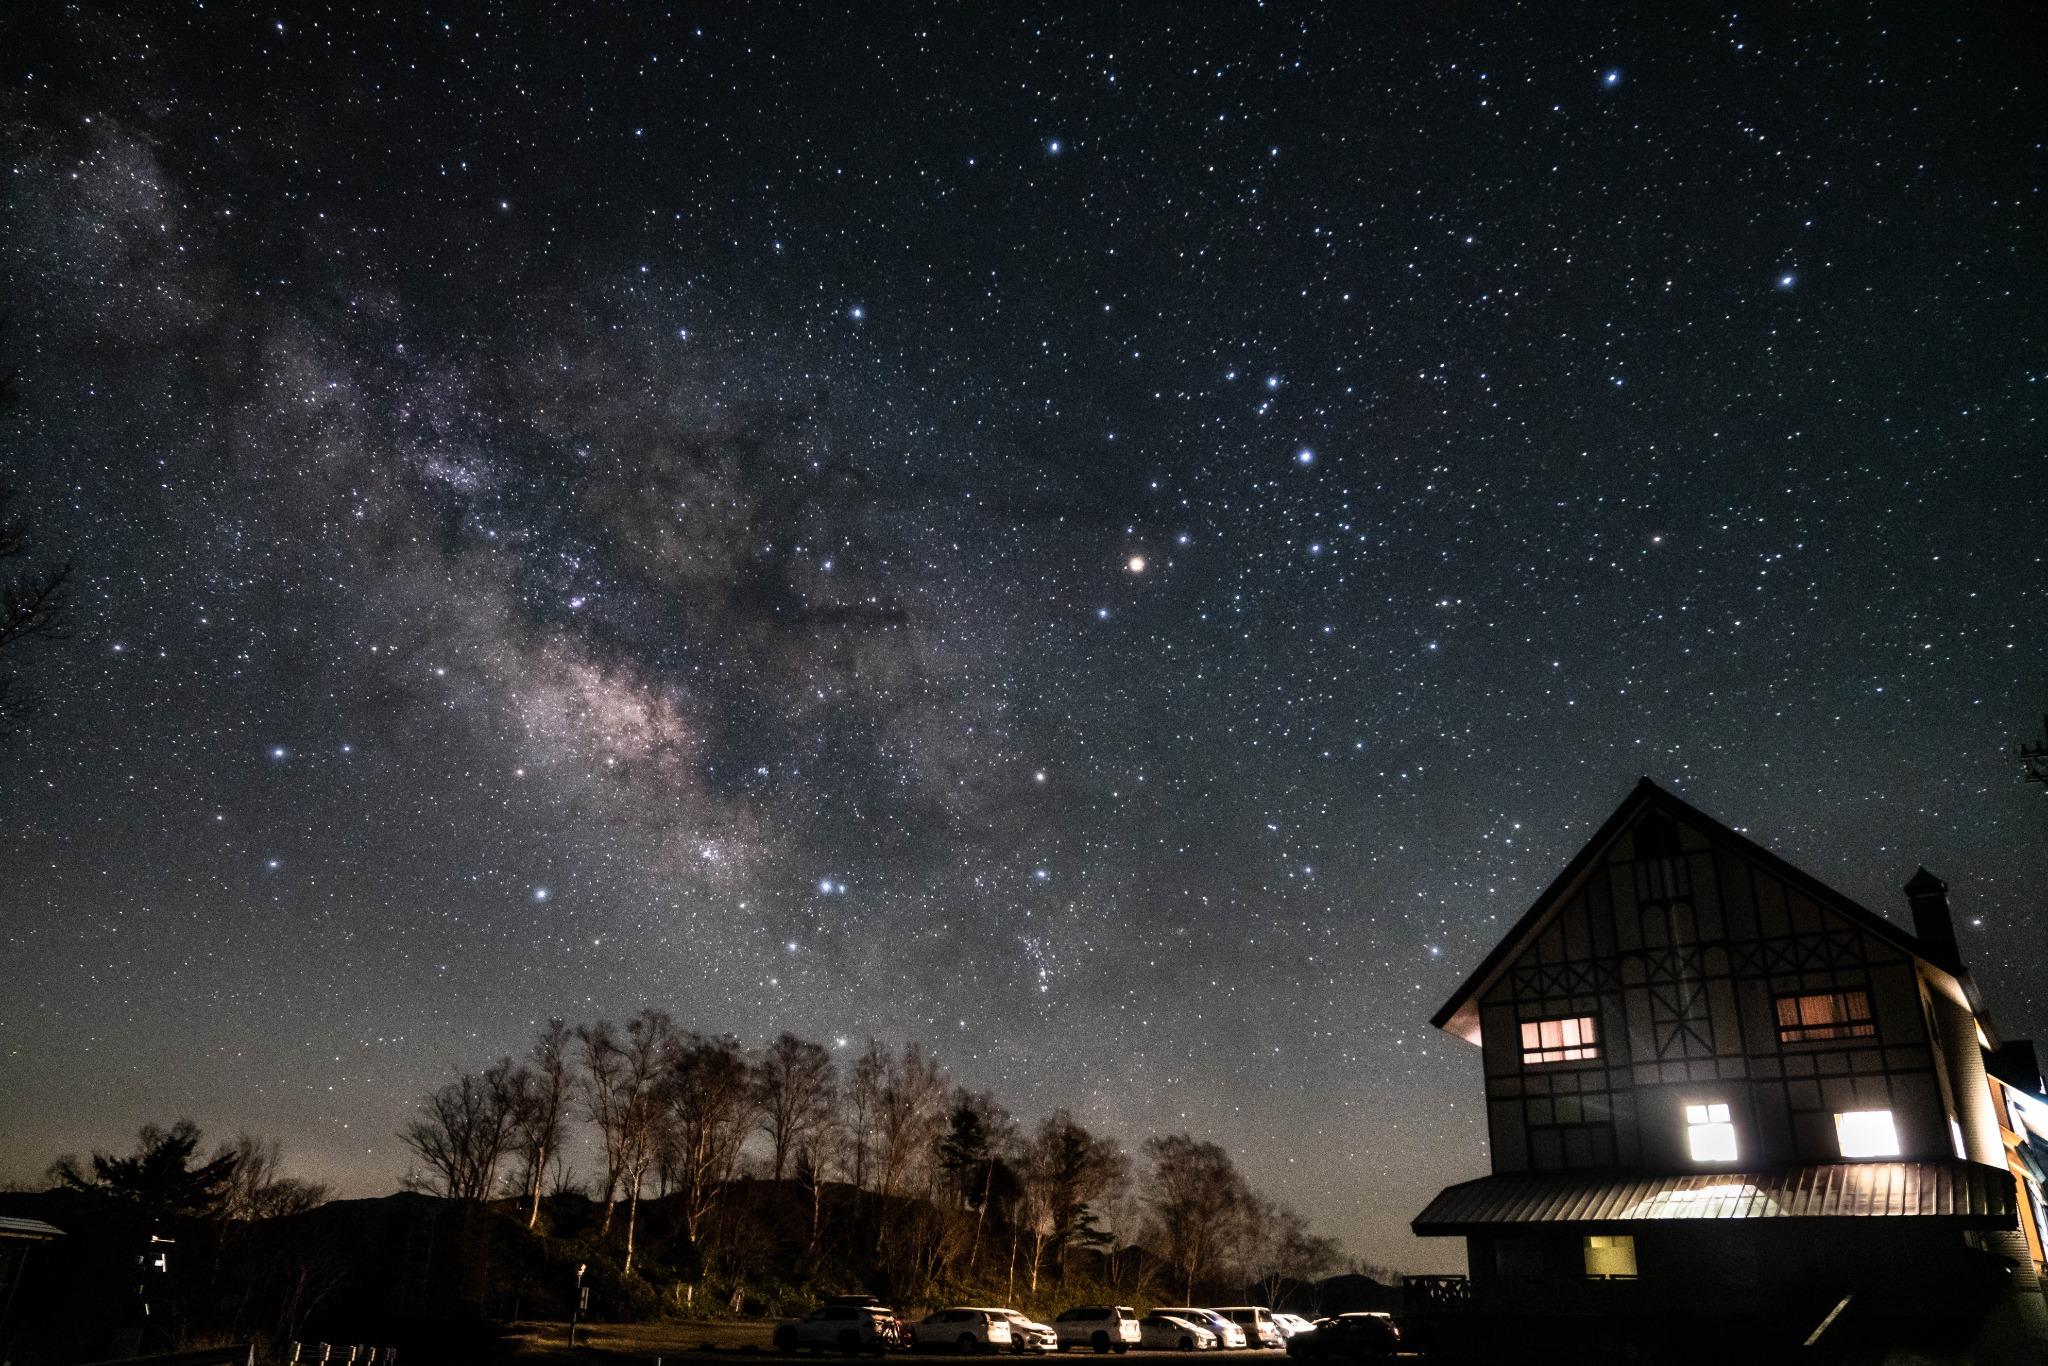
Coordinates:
column 1711, row 1132
column 1867, row 1133
column 1565, row 1040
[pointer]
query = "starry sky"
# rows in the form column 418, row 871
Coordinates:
column 1127, row 546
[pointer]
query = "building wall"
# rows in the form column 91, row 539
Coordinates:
column 1738, row 1266
column 1678, row 950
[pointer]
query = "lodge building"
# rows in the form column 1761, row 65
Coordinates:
column 1717, row 1090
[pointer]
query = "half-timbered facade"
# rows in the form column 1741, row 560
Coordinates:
column 1712, row 1079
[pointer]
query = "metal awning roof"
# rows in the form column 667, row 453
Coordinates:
column 1965, row 1193
column 28, row 1228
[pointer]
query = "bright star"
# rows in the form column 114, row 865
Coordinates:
column 1272, row 381
column 1612, row 77
column 1304, row 456
column 1136, row 564
column 1053, row 147
column 541, row 894
column 1787, row 280
column 856, row 313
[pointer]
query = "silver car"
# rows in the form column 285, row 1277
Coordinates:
column 1028, row 1335
column 1173, row 1334
column 1257, row 1322
column 1227, row 1333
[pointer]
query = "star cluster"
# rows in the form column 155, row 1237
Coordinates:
column 1126, row 546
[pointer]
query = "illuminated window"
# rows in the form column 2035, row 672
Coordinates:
column 1825, row 1015
column 1610, row 1257
column 1711, row 1132
column 1867, row 1133
column 1567, row 1040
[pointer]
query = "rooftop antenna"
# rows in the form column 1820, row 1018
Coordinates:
column 2034, row 758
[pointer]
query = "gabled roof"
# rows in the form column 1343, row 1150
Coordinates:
column 1963, row 1194
column 1647, row 796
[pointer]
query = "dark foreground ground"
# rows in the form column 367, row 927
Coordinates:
column 737, row 1343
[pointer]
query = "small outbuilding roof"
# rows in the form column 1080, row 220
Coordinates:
column 1966, row 1194
column 34, row 1230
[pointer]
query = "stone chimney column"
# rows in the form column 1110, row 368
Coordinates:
column 1932, row 923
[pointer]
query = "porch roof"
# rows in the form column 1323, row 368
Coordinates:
column 1965, row 1194
column 32, row 1229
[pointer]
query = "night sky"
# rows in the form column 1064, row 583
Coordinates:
column 1127, row 547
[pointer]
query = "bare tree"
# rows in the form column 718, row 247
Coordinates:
column 649, row 1056
column 711, row 1103
column 864, row 1104
column 794, row 1087
column 260, row 1189
column 910, row 1116
column 462, row 1133
column 1197, row 1199
column 1279, row 1249
column 604, row 1063
column 819, row 1159
column 543, row 1101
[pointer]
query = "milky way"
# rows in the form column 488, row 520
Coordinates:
column 1126, row 548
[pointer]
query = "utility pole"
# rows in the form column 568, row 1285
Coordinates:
column 579, row 1304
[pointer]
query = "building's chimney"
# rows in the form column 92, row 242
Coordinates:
column 1932, row 924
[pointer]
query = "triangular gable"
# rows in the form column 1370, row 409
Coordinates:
column 1460, row 1014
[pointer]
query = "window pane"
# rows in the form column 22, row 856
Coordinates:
column 1713, row 1142
column 1867, row 1133
column 1610, row 1255
column 1564, row 1039
column 1824, row 1015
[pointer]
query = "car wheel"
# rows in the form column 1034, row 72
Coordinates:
column 848, row 1343
column 1187, row 1344
column 1100, row 1342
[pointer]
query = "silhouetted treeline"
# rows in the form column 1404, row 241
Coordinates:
column 775, row 1171
column 726, row 1181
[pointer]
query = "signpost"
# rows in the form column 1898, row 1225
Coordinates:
column 579, row 1304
